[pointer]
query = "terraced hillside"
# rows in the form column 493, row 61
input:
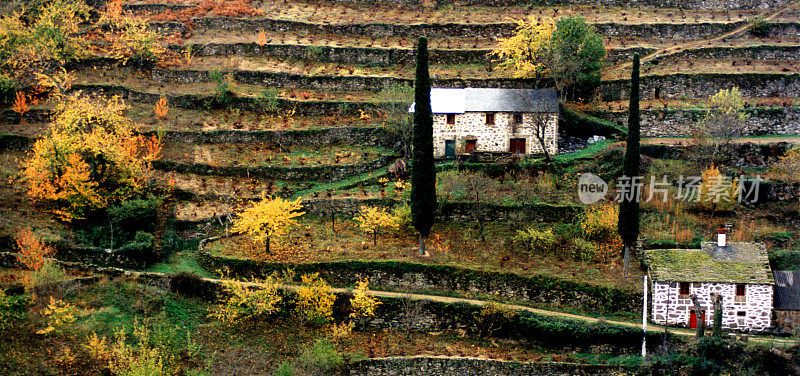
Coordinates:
column 305, row 96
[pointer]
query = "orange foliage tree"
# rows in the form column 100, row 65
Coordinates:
column 32, row 251
column 161, row 108
column 90, row 157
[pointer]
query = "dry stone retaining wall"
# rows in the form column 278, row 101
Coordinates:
column 461, row 366
column 683, row 4
column 704, row 85
column 680, row 123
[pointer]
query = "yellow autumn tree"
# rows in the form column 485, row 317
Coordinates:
column 364, row 305
column 271, row 218
column 569, row 51
column 525, row 52
column 371, row 220
column 89, row 158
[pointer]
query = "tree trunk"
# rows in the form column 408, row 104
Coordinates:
column 266, row 247
column 626, row 261
column 717, row 316
column 375, row 238
column 423, row 251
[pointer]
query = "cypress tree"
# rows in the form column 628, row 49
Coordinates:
column 423, row 171
column 628, row 225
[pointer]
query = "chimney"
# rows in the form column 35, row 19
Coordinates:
column 721, row 238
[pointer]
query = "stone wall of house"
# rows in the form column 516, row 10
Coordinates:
column 788, row 321
column 494, row 138
column 670, row 308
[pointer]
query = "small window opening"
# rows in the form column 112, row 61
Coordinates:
column 684, row 288
column 490, row 118
column 451, row 119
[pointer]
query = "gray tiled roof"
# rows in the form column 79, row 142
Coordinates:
column 750, row 265
column 787, row 290
column 458, row 101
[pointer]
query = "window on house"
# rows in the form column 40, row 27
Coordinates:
column 683, row 288
column 740, row 294
column 517, row 118
column 451, row 119
column 490, row 118
column 741, row 313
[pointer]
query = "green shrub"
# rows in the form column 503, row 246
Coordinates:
column 536, row 240
column 582, row 249
column 268, row 100
column 320, row 359
column 784, row 259
column 12, row 308
column 223, row 97
column 8, row 88
column 402, row 216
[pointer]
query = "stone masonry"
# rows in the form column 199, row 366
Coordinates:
column 494, row 138
column 751, row 313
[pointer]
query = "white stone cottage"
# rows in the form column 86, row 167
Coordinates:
column 740, row 272
column 471, row 120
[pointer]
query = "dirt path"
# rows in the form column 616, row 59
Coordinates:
column 765, row 16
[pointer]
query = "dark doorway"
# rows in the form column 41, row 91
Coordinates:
column 449, row 148
column 517, row 145
column 658, row 93
column 470, row 146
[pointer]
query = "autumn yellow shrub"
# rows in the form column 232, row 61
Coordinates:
column 372, row 220
column 363, row 304
column 32, row 251
column 314, row 300
column 243, row 302
column 599, row 221
column 59, row 314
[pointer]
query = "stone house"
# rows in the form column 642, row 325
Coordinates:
column 468, row 120
column 787, row 299
column 739, row 272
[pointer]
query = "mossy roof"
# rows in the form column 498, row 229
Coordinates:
column 694, row 265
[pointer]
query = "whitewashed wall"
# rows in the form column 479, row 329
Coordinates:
column 668, row 308
column 493, row 138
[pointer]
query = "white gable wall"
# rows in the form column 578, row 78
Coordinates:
column 668, row 308
column 493, row 138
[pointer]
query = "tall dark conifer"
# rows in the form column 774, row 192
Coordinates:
column 628, row 225
column 423, row 171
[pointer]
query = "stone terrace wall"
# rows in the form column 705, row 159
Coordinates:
column 688, row 30
column 787, row 320
column 347, row 55
column 678, row 123
column 363, row 136
column 704, row 85
column 685, row 4
column 460, row 366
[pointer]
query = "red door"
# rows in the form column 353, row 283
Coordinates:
column 517, row 145
column 470, row 146
column 693, row 318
